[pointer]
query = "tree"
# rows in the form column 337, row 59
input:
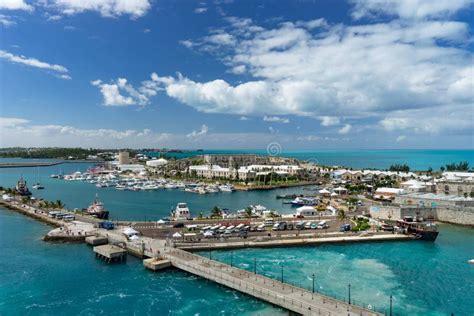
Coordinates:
column 400, row 167
column 248, row 212
column 58, row 204
column 216, row 212
column 341, row 215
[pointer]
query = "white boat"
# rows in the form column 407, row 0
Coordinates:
column 181, row 212
column 226, row 188
column 302, row 201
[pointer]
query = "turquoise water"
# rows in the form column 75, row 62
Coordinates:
column 376, row 159
column 138, row 205
column 38, row 278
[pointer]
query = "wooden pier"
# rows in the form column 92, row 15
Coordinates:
column 294, row 299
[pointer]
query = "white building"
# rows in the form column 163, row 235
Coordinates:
column 123, row 158
column 157, row 162
column 243, row 173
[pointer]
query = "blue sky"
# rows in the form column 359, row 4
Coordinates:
column 237, row 74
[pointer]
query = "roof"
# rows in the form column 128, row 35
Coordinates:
column 389, row 190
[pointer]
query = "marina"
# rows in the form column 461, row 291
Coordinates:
column 284, row 239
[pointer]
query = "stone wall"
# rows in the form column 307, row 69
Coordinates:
column 463, row 215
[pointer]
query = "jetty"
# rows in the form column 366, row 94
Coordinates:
column 110, row 253
column 289, row 297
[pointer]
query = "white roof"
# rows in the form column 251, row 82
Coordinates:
column 389, row 190
column 129, row 231
column 324, row 191
column 340, row 189
column 305, row 208
column 177, row 235
column 134, row 237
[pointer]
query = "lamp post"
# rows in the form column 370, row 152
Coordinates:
column 391, row 305
column 313, row 282
column 282, row 274
column 349, row 290
column 231, row 258
column 255, row 265
column 210, row 253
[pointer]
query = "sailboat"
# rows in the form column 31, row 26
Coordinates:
column 38, row 185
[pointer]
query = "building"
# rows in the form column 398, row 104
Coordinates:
column 243, row 173
column 155, row 163
column 359, row 176
column 456, row 183
column 387, row 193
column 124, row 158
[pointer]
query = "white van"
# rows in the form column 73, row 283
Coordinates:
column 323, row 224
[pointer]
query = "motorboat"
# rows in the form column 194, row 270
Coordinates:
column 181, row 212
column 304, row 201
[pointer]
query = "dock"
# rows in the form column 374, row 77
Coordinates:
column 110, row 253
column 291, row 298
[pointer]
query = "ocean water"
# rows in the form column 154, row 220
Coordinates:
column 38, row 278
column 136, row 205
column 358, row 159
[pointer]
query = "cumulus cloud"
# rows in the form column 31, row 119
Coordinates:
column 329, row 120
column 243, row 118
column 389, row 71
column 276, row 119
column 106, row 8
column 60, row 71
column 15, row 5
column 198, row 133
column 408, row 9
column 345, row 129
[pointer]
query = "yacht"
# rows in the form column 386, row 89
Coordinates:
column 304, row 201
column 181, row 212
column 38, row 185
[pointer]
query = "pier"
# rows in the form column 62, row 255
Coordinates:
column 291, row 298
column 110, row 253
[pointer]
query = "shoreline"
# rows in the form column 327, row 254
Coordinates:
column 29, row 164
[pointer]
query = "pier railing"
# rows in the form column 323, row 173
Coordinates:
column 270, row 295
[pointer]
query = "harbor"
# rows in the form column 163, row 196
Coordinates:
column 148, row 238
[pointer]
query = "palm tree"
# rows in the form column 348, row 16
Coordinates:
column 248, row 212
column 216, row 212
column 341, row 215
column 59, row 204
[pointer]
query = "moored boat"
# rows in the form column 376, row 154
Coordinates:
column 421, row 230
column 96, row 209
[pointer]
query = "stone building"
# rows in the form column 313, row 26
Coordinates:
column 456, row 183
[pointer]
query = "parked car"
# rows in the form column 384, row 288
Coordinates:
column 345, row 228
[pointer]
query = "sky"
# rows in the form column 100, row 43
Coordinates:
column 222, row 74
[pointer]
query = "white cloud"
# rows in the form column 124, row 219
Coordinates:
column 54, row 17
column 15, row 5
column 221, row 39
column 11, row 122
column 364, row 70
column 401, row 138
column 200, row 10
column 276, row 119
column 329, row 120
column 345, row 129
column 186, row 43
column 69, row 28
column 408, row 9
column 33, row 62
column 6, row 20
column 309, row 138
column 312, row 24
column 146, row 31
column 243, row 118
column 106, row 8
column 454, row 118
column 203, row 131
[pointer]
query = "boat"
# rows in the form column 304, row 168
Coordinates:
column 38, row 185
column 226, row 188
column 181, row 212
column 304, row 201
column 21, row 188
column 96, row 209
column 421, row 230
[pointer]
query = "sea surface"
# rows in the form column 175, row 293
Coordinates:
column 38, row 278
column 357, row 159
